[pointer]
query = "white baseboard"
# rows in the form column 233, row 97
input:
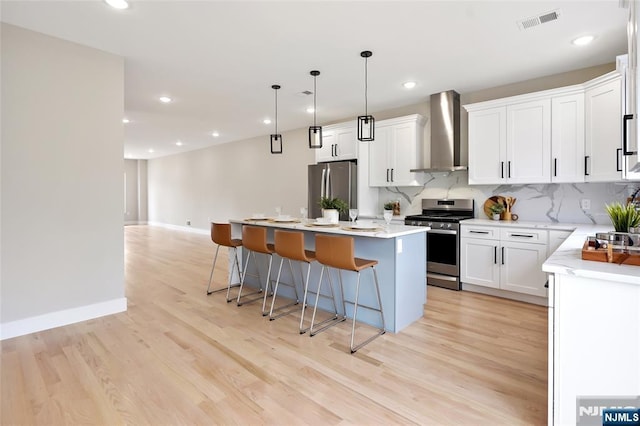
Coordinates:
column 61, row 318
column 135, row 222
column 521, row 297
column 181, row 228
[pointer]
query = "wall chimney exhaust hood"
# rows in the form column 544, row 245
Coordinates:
column 445, row 133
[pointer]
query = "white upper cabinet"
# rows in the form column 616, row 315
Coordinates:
column 397, row 148
column 510, row 142
column 603, row 133
column 567, row 136
column 487, row 145
column 339, row 142
column 529, row 142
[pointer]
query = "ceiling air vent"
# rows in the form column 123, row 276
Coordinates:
column 543, row 18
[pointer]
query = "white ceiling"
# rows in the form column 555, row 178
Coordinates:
column 218, row 59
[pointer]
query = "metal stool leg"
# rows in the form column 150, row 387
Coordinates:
column 267, row 286
column 246, row 265
column 304, row 298
column 275, row 294
column 329, row 321
column 381, row 331
column 237, row 264
column 213, row 265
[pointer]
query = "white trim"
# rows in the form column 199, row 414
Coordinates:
column 61, row 318
column 134, row 222
column 520, row 297
column 181, row 228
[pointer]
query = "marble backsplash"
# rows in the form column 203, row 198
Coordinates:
column 539, row 203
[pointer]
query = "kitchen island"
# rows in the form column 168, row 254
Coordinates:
column 401, row 254
column 594, row 328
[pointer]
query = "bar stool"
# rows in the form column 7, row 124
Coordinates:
column 290, row 245
column 338, row 252
column 221, row 236
column 254, row 239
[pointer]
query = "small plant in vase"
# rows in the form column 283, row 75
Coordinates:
column 389, row 206
column 496, row 210
column 623, row 217
column 332, row 208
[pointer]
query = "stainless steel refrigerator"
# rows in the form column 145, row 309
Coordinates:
column 333, row 180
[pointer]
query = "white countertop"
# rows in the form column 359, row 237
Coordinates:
column 395, row 230
column 567, row 259
column 523, row 224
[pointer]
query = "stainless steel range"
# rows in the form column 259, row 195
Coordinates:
column 443, row 240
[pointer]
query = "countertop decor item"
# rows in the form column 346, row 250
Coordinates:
column 495, row 199
column 623, row 217
column 496, row 209
column 332, row 207
column 388, row 206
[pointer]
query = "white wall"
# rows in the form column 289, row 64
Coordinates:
column 62, row 248
column 227, row 181
column 135, row 176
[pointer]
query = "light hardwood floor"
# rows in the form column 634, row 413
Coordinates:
column 179, row 357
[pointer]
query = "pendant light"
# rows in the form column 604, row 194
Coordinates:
column 315, row 132
column 366, row 126
column 276, row 138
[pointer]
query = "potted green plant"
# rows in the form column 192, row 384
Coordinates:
column 623, row 217
column 496, row 210
column 332, row 208
column 388, row 206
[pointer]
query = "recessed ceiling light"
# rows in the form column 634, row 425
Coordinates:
column 266, row 121
column 117, row 4
column 215, row 134
column 125, row 120
column 583, row 41
column 151, row 151
column 310, row 110
column 165, row 99
column 409, row 84
column 179, row 143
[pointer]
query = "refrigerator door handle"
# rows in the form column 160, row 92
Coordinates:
column 323, row 185
column 329, row 189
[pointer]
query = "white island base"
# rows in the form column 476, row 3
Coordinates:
column 401, row 256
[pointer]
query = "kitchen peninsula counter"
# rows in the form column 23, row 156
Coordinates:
column 594, row 327
column 401, row 254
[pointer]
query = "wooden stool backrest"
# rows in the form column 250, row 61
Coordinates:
column 336, row 252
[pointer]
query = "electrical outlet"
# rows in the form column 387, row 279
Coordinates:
column 585, row 204
column 188, row 223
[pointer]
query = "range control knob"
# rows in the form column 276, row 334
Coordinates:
column 448, row 226
column 430, row 224
column 441, row 225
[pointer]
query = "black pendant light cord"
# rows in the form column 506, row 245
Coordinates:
column 277, row 110
column 314, row 100
column 366, row 86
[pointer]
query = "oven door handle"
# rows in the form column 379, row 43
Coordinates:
column 442, row 231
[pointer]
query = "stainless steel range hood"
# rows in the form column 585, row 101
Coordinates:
column 445, row 133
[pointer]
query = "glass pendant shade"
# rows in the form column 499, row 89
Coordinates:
column 315, row 131
column 366, row 128
column 276, row 138
column 366, row 122
column 315, row 137
column 276, row 144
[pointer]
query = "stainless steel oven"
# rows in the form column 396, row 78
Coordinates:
column 443, row 216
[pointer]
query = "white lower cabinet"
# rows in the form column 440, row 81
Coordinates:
column 504, row 258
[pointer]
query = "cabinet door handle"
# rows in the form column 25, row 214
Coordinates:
column 502, row 170
column 586, row 160
column 387, row 175
column 546, row 285
column 479, row 232
column 495, row 255
column 625, row 145
column 391, row 175
column 336, row 149
column 502, row 253
column 522, row 235
column 618, row 158
column 555, row 167
column 508, row 169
